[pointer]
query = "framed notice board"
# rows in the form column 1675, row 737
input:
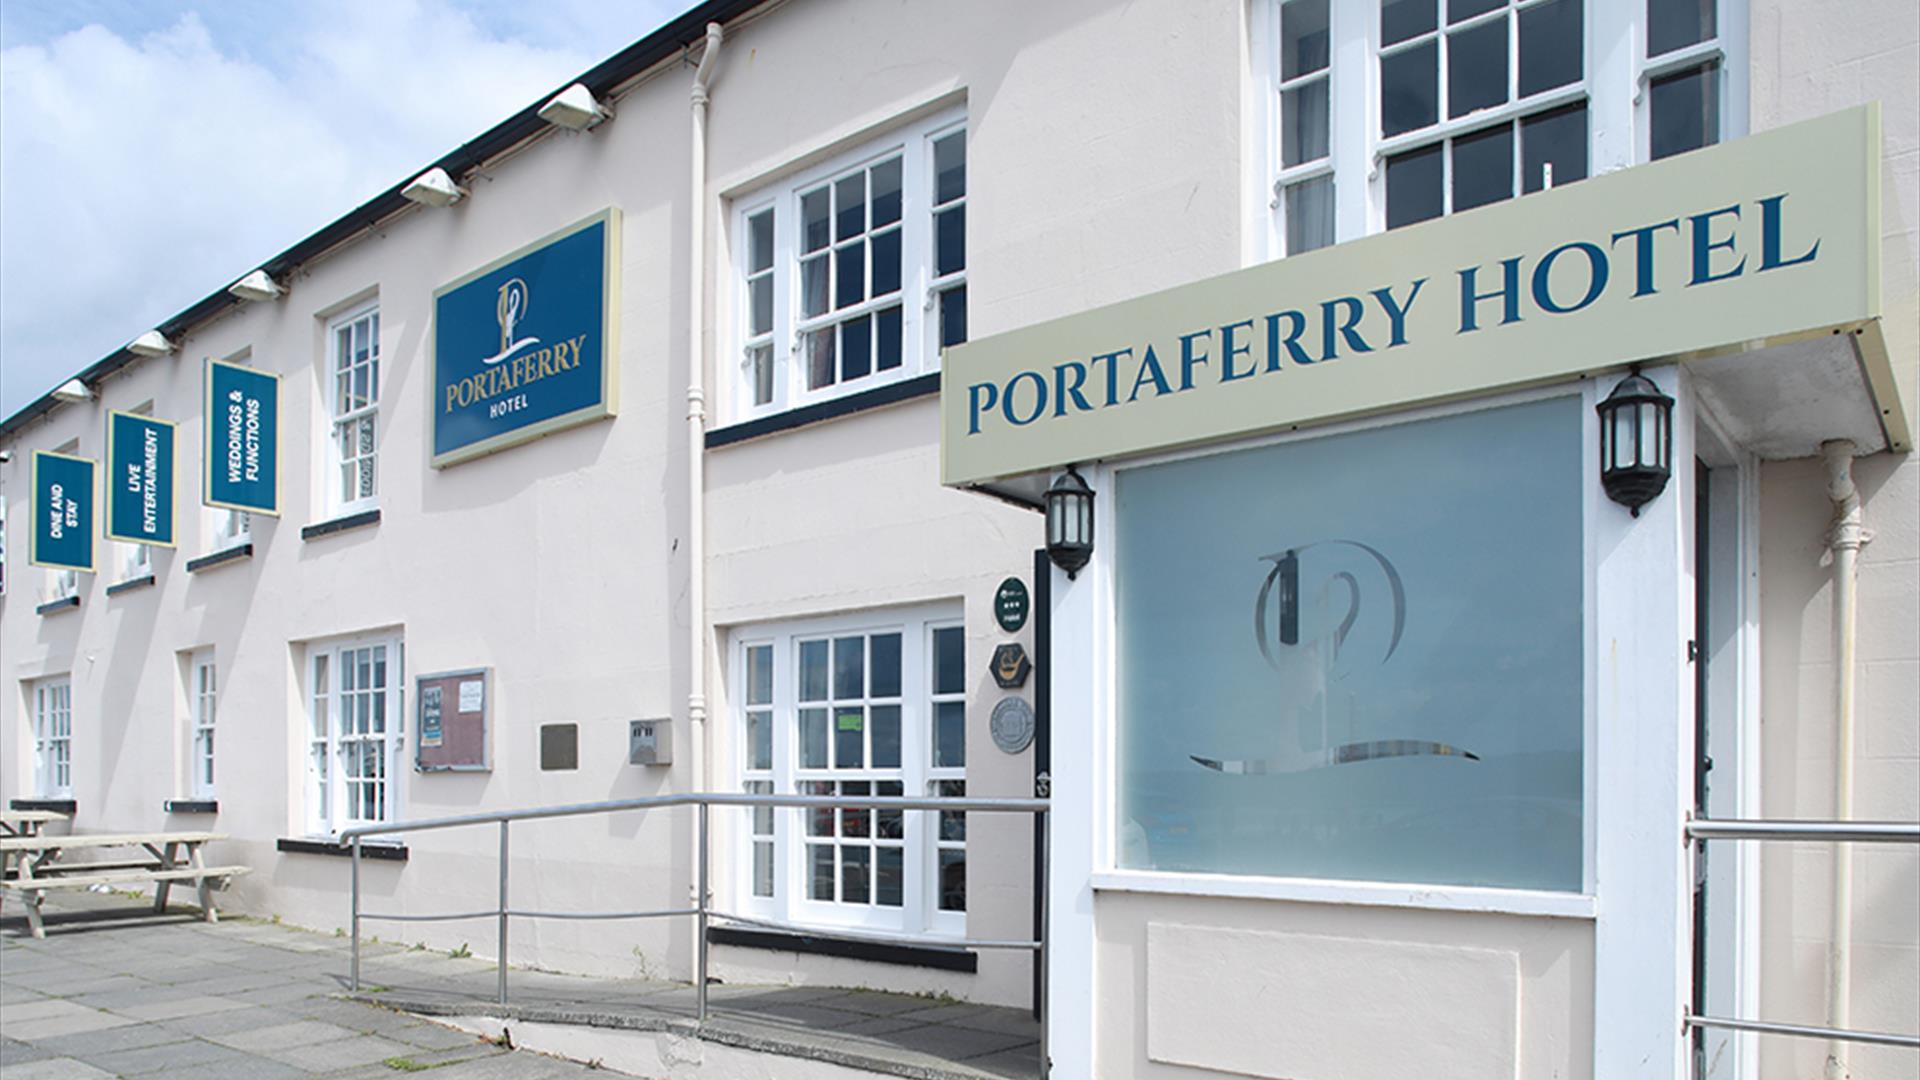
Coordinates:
column 450, row 721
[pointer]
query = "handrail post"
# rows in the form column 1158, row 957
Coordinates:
column 503, row 911
column 354, row 980
column 700, row 917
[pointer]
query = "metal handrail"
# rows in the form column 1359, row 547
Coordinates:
column 1699, row 830
column 702, row 911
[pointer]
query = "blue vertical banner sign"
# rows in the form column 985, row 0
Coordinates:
column 242, row 456
column 62, row 512
column 525, row 346
column 140, row 480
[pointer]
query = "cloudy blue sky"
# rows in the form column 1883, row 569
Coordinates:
column 153, row 150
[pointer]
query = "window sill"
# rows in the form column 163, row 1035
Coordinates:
column 130, row 584
column 54, row 607
column 190, row 806
column 220, row 558
column 945, row 959
column 1351, row 893
column 342, row 524
column 368, row 850
column 892, row 393
column 58, row 806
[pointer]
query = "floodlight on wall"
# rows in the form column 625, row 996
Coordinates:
column 256, row 286
column 151, row 343
column 574, row 108
column 433, row 188
column 72, row 392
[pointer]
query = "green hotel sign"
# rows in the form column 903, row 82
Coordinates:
column 1757, row 241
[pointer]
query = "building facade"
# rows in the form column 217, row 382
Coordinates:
column 746, row 531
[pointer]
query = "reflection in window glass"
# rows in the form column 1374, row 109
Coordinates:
column 1557, row 138
column 1409, row 89
column 1685, row 107
column 1403, row 19
column 1675, row 24
column 1358, row 674
column 1414, row 186
column 1550, row 46
column 1483, row 168
column 1477, row 68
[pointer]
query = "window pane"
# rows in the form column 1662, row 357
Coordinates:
column 761, row 295
column 1413, row 186
column 1675, row 24
column 849, row 667
column 886, row 736
column 886, row 263
column 1557, row 138
column 1483, row 168
column 885, row 678
column 763, row 868
column 1451, row 752
column 953, row 316
column 813, row 286
column 1409, row 89
column 889, row 824
column 759, row 740
column 1458, row 10
column 889, row 877
column 855, row 865
column 949, row 735
column 819, row 819
column 856, row 348
column 953, row 879
column 850, row 275
column 1550, row 46
column 1686, row 110
column 886, row 339
column 1402, row 19
column 1303, row 124
column 813, row 738
column 950, row 168
column 814, row 232
column 950, row 241
column 820, row 858
column 760, row 359
column 1309, row 208
column 949, row 660
column 1303, row 37
column 850, row 206
column 820, row 364
column 853, row 819
column 849, row 738
column 760, row 675
column 813, row 671
column 886, row 192
column 760, row 241
column 953, row 823
column 1477, row 68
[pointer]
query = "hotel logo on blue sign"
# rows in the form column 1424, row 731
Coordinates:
column 525, row 346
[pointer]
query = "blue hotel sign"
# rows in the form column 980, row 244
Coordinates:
column 139, row 479
column 525, row 346
column 62, row 512
column 242, row 455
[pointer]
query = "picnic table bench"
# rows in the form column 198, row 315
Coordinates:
column 27, row 822
column 37, row 867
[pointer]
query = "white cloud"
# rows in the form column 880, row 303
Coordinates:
column 140, row 175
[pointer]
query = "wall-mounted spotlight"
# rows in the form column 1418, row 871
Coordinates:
column 1070, row 522
column 574, row 108
column 433, row 188
column 73, row 391
column 256, row 286
column 151, row 343
column 1636, row 442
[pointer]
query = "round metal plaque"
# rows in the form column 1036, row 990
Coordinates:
column 1012, row 724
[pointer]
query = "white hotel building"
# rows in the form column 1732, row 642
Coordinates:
column 1459, row 851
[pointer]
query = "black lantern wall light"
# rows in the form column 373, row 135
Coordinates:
column 1636, row 442
column 1070, row 522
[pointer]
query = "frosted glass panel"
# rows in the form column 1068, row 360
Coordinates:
column 1358, row 657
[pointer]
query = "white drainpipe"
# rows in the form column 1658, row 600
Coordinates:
column 697, row 430
column 1845, row 539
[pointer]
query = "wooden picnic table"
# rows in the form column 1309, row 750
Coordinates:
column 27, row 822
column 37, row 866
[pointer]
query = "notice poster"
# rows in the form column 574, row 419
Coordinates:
column 140, row 463
column 452, row 722
column 242, row 453
column 62, row 512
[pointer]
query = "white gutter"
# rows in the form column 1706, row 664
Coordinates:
column 697, row 434
column 1845, row 539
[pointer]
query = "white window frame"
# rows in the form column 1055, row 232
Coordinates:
column 1616, row 77
column 919, row 288
column 136, row 561
column 203, row 691
column 324, row 737
column 342, row 413
column 228, row 528
column 53, row 737
column 919, row 911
